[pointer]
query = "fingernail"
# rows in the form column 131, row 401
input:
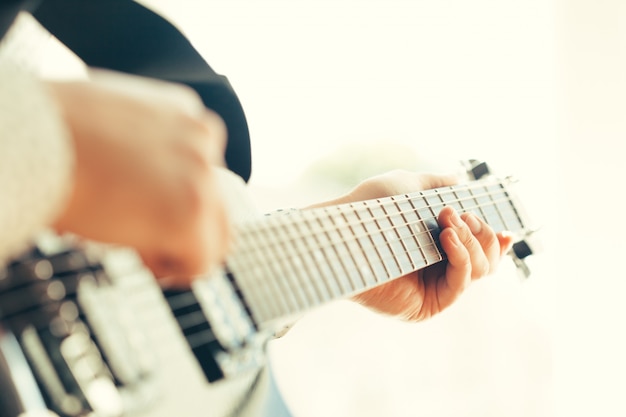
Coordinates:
column 473, row 223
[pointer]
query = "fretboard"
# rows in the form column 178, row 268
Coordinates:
column 286, row 264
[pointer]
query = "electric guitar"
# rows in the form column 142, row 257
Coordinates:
column 85, row 331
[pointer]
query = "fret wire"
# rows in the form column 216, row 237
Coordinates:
column 433, row 216
column 477, row 203
column 355, row 259
column 292, row 261
column 368, row 246
column 504, row 210
column 434, row 245
column 319, row 252
column 244, row 273
column 369, row 273
column 402, row 241
column 356, row 250
column 311, row 252
column 454, row 202
column 300, row 250
column 511, row 206
column 278, row 277
column 496, row 207
column 405, row 234
column 284, row 277
column 458, row 199
column 253, row 296
column 376, row 249
column 416, row 236
column 343, row 242
column 332, row 248
column 387, row 241
column 489, row 208
column 278, row 298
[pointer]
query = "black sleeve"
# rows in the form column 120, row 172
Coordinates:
column 124, row 36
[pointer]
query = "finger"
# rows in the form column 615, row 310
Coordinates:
column 506, row 242
column 202, row 140
column 479, row 261
column 215, row 127
column 162, row 265
column 486, row 237
column 458, row 269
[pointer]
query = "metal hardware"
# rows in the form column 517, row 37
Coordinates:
column 523, row 249
column 476, row 169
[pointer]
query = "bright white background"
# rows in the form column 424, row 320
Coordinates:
column 537, row 88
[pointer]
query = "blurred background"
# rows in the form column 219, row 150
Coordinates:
column 337, row 91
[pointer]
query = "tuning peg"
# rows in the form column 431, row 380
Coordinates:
column 476, row 169
column 521, row 250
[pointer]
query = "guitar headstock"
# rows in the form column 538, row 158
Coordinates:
column 526, row 243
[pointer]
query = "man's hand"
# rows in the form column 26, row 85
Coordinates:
column 471, row 246
column 146, row 154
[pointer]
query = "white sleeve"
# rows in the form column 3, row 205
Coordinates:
column 36, row 159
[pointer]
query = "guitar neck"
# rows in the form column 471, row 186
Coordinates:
column 286, row 264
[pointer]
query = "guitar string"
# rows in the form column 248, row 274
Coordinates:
column 393, row 254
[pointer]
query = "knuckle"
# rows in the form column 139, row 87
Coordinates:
column 186, row 93
column 467, row 239
column 215, row 122
column 489, row 240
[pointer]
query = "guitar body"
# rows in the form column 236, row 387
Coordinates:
column 150, row 369
column 17, row 384
column 98, row 337
column 146, row 366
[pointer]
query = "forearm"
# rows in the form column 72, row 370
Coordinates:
column 36, row 160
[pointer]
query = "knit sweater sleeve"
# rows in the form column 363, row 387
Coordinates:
column 36, row 160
